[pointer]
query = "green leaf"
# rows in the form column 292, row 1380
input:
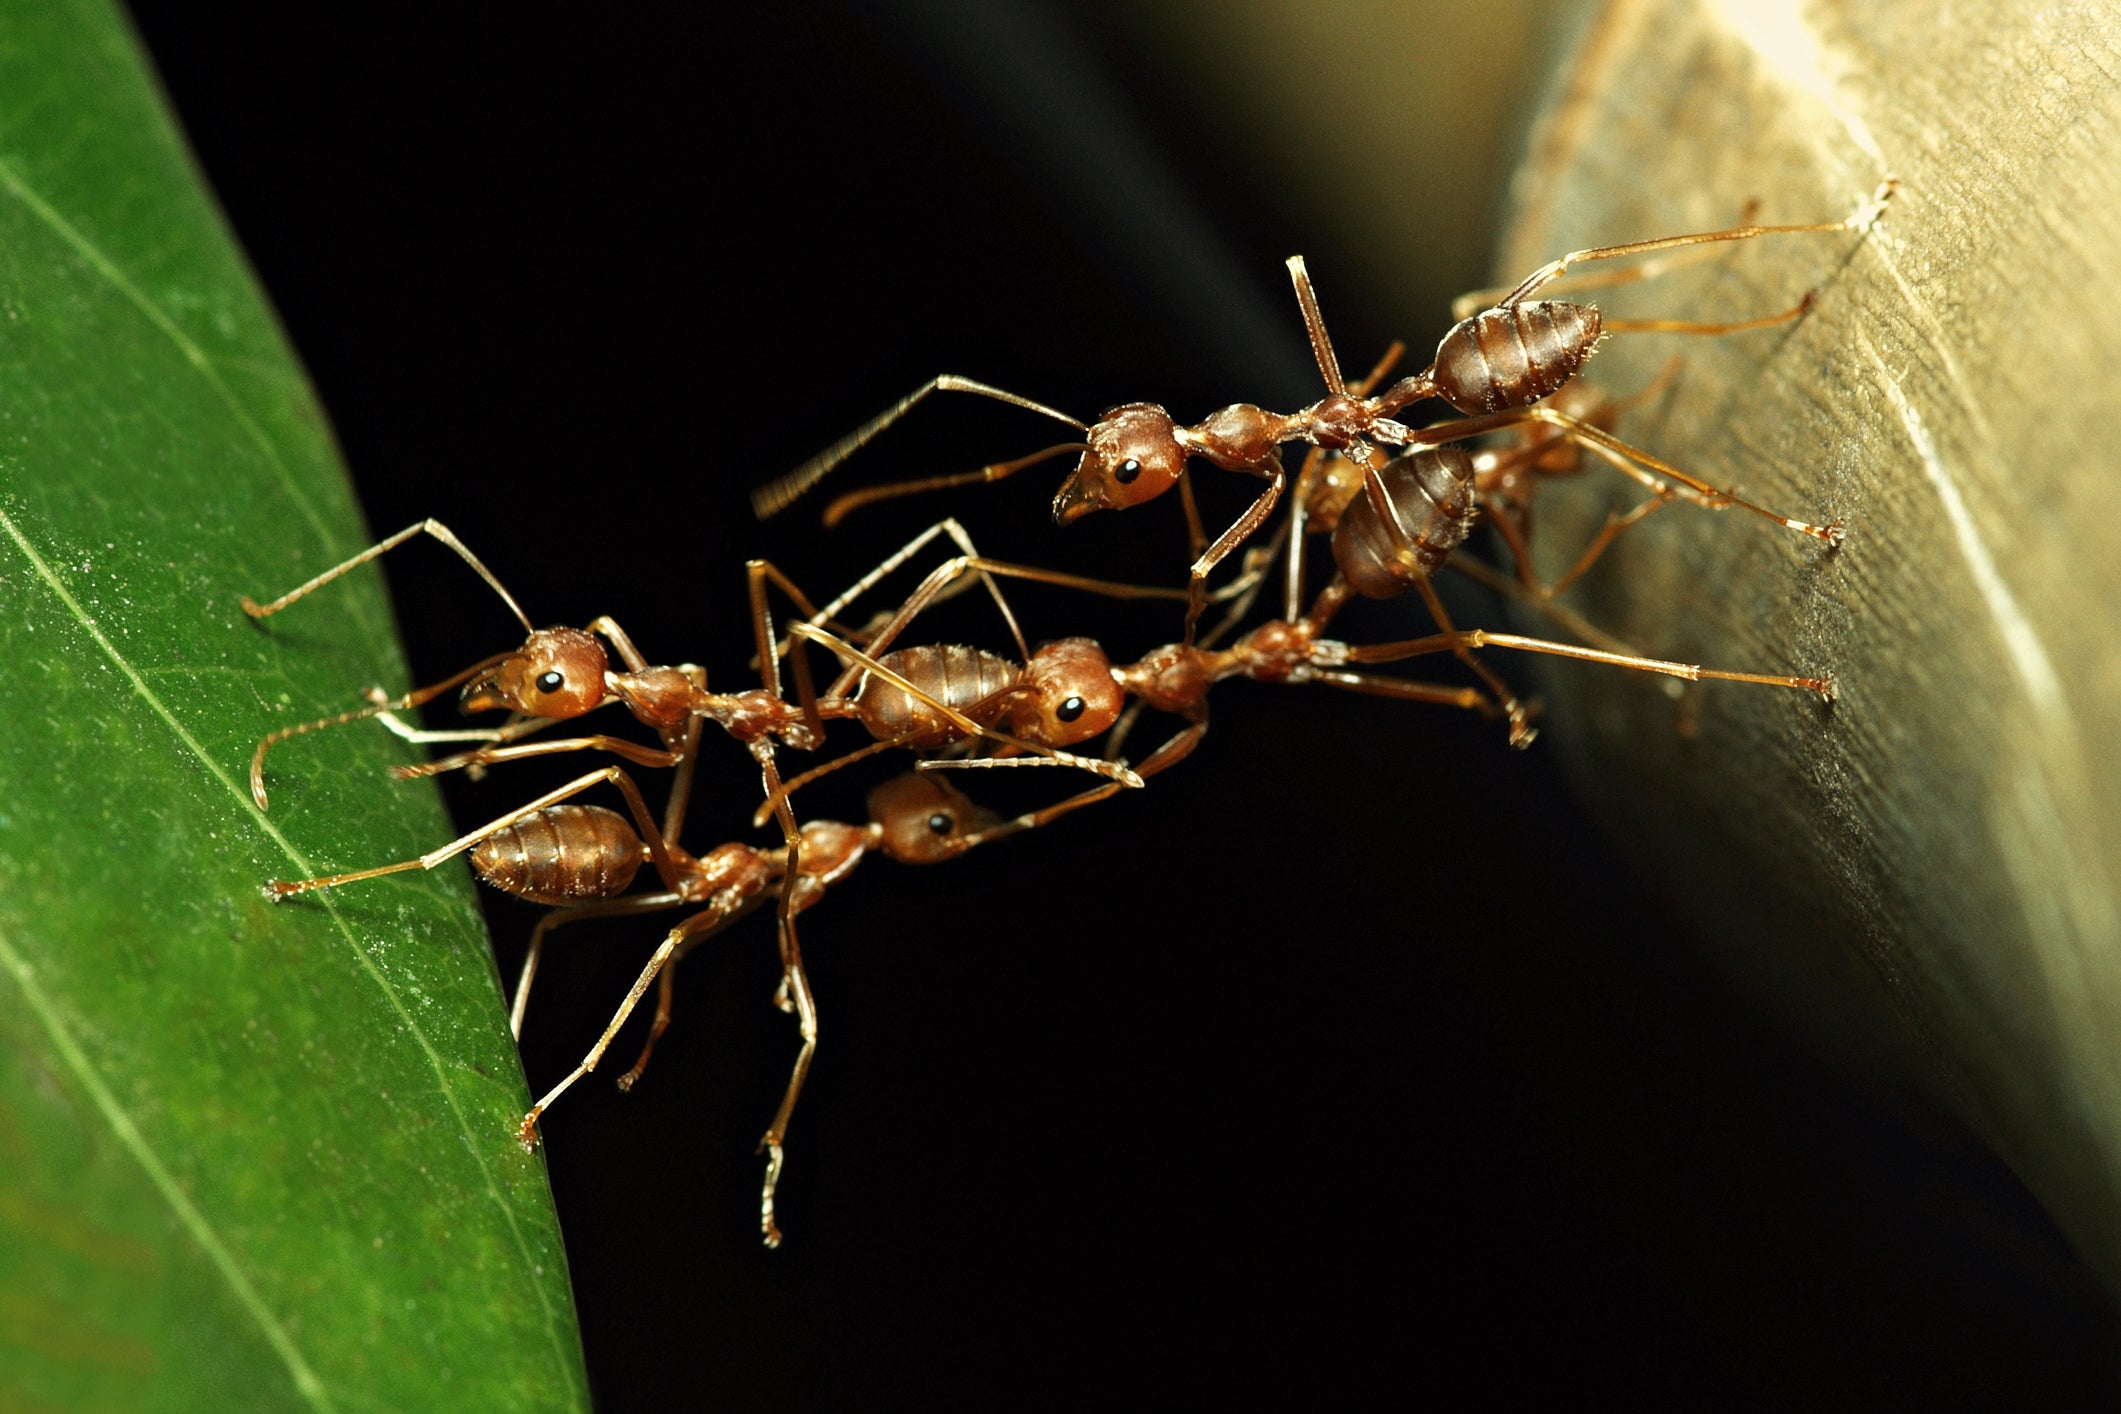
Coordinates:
column 250, row 1156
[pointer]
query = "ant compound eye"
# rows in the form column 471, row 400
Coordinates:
column 1127, row 470
column 1069, row 710
column 550, row 682
column 940, row 823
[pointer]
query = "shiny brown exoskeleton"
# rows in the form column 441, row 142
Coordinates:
column 1494, row 365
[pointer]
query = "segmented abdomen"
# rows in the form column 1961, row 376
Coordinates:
column 563, row 854
column 960, row 678
column 1431, row 496
column 1512, row 357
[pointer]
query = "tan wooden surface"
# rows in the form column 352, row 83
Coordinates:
column 1927, row 868
column 1923, row 875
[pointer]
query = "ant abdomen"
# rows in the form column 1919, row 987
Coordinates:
column 1514, row 355
column 1431, row 498
column 563, row 854
column 956, row 676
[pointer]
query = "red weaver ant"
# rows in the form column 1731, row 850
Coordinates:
column 1494, row 365
column 581, row 859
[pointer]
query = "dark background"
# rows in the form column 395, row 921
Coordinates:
column 1347, row 1053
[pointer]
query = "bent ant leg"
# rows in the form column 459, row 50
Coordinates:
column 560, row 918
column 1514, row 711
column 1173, row 751
column 1240, row 530
column 1615, row 523
column 823, row 618
column 699, row 925
column 939, row 583
column 664, row 995
column 1660, row 476
column 794, row 995
column 656, row 1027
column 1312, row 477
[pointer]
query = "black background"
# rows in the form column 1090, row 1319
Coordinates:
column 1347, row 1054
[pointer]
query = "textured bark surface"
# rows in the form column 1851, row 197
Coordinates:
column 1927, row 868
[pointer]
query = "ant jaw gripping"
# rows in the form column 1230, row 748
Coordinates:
column 1135, row 454
column 558, row 673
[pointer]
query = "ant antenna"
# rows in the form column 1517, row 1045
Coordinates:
column 435, row 528
column 778, row 495
column 379, row 707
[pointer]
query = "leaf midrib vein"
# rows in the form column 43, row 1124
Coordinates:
column 127, row 1132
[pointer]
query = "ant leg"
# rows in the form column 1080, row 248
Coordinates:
column 795, row 987
column 560, row 918
column 1561, row 614
column 1244, row 591
column 1196, row 530
column 1515, row 535
column 793, row 784
column 434, row 528
column 1177, row 749
column 698, row 924
column 608, row 628
column 758, row 574
column 1298, row 525
column 514, row 729
column 937, row 586
column 779, row 494
column 946, row 526
column 1381, row 685
column 1692, row 326
column 1864, row 218
column 1473, row 301
column 1521, row 731
column 929, row 591
column 639, row 755
column 1615, row 523
column 656, row 1027
column 277, row 890
column 1656, row 474
column 665, row 982
column 681, row 780
column 1481, row 638
column 1239, row 531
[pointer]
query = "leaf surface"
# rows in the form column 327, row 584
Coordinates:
column 250, row 1156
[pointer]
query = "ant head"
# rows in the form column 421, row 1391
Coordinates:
column 557, row 673
column 924, row 818
column 1134, row 455
column 1072, row 694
